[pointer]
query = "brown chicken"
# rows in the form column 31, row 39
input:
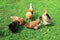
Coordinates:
column 30, row 12
column 33, row 24
column 21, row 20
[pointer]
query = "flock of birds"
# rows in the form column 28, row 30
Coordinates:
column 17, row 21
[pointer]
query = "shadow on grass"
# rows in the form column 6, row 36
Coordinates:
column 43, row 26
column 35, row 16
column 4, row 33
column 20, row 28
column 52, row 24
column 1, row 34
column 7, row 32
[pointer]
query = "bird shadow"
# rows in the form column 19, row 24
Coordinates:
column 52, row 24
column 20, row 28
column 43, row 26
column 1, row 34
column 35, row 15
column 4, row 33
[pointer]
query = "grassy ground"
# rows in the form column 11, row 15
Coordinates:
column 19, row 7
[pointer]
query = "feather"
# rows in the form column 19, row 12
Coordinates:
column 48, row 16
column 14, row 26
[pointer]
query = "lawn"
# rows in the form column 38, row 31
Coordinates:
column 19, row 8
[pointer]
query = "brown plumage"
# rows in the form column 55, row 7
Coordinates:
column 30, row 12
column 21, row 20
column 46, row 18
column 33, row 24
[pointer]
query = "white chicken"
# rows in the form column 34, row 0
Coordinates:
column 46, row 18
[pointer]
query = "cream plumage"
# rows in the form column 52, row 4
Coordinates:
column 20, row 20
column 46, row 18
column 29, row 13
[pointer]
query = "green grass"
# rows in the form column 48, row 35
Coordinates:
column 19, row 8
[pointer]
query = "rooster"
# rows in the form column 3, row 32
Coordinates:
column 46, row 18
column 30, row 12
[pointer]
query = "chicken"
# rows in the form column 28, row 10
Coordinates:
column 21, row 20
column 33, row 24
column 15, row 24
column 13, row 27
column 46, row 18
column 14, row 18
column 30, row 12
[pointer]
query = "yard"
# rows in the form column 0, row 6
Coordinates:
column 19, row 8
